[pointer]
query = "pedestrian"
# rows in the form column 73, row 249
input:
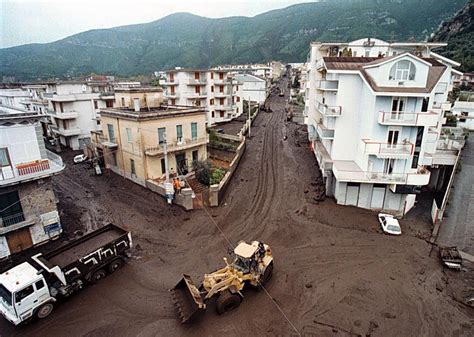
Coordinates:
column 177, row 185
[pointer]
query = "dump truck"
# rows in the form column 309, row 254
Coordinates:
column 32, row 289
column 252, row 266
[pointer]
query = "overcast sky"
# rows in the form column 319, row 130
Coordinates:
column 29, row 21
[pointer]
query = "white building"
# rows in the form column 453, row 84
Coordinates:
column 463, row 109
column 374, row 121
column 28, row 213
column 216, row 90
column 13, row 97
column 254, row 88
column 74, row 109
column 260, row 70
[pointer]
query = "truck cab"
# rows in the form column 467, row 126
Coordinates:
column 23, row 290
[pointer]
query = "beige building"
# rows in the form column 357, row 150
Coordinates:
column 134, row 140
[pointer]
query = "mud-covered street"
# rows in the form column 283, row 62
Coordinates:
column 335, row 273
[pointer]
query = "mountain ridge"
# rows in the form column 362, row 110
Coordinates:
column 188, row 40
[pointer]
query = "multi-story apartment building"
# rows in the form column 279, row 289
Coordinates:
column 135, row 139
column 260, row 70
column 374, row 119
column 74, row 108
column 254, row 88
column 28, row 213
column 215, row 90
column 463, row 109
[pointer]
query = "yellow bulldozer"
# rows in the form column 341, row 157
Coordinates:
column 252, row 266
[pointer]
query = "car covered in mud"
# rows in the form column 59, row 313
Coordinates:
column 389, row 224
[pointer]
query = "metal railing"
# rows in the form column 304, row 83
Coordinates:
column 428, row 118
column 10, row 220
column 175, row 145
column 387, row 149
column 33, row 167
column 420, row 177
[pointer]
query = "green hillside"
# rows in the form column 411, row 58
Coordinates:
column 191, row 41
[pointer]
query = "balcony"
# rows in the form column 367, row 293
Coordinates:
column 14, row 222
column 169, row 83
column 37, row 169
column 324, row 132
column 172, row 94
column 220, row 81
column 320, row 64
column 349, row 171
column 220, row 94
column 387, row 150
column 109, row 143
column 408, row 119
column 193, row 81
column 60, row 97
column 322, row 156
column 63, row 115
column 175, row 146
column 327, row 85
column 202, row 94
column 74, row 131
column 223, row 107
column 327, row 110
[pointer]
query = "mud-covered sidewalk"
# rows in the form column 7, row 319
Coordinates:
column 335, row 273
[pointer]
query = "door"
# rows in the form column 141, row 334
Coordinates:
column 388, row 166
column 181, row 164
column 19, row 240
column 392, row 138
column 352, row 194
column 25, row 300
column 398, row 108
column 378, row 197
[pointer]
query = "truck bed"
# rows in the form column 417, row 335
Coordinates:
column 85, row 245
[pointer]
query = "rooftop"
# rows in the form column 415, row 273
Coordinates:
column 18, row 277
column 153, row 113
column 138, row 89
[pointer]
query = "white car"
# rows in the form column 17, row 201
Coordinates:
column 80, row 158
column 389, row 224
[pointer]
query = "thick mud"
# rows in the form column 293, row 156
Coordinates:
column 335, row 273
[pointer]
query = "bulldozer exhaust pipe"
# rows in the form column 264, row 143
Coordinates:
column 187, row 299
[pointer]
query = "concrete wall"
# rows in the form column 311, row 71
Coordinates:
column 217, row 192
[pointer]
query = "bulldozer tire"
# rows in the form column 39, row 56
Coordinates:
column 227, row 302
column 267, row 275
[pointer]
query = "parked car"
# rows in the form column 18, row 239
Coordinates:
column 80, row 158
column 389, row 224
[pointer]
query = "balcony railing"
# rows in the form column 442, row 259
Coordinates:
column 32, row 170
column 327, row 110
column 74, row 131
column 193, row 81
column 196, row 94
column 388, row 150
column 419, row 178
column 327, row 85
column 10, row 220
column 63, row 115
column 175, row 146
column 223, row 107
column 324, row 132
column 408, row 118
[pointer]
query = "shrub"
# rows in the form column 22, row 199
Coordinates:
column 218, row 174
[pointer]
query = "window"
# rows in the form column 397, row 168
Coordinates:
column 195, row 156
column 392, row 138
column 132, row 166
column 197, row 89
column 354, row 53
column 221, row 88
column 39, row 284
column 367, row 53
column 237, row 110
column 4, row 157
column 61, row 106
column 123, row 101
column 173, row 101
column 221, row 101
column 388, row 166
column 196, row 76
column 163, row 166
column 213, row 114
column 171, row 77
column 20, row 295
column 194, row 131
column 212, row 77
column 110, row 129
column 402, row 71
column 179, row 133
column 11, row 211
column 5, row 295
column 161, row 135
column 238, row 98
column 221, row 76
column 211, row 102
column 96, row 105
column 212, row 88
column 222, row 114
column 129, row 134
column 109, row 103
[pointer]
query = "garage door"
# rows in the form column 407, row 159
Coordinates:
column 19, row 240
column 378, row 196
column 352, row 194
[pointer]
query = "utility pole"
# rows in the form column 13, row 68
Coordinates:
column 165, row 151
column 250, row 120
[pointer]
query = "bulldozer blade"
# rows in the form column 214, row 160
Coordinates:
column 187, row 299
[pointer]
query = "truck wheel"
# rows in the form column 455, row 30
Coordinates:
column 115, row 264
column 44, row 310
column 227, row 302
column 267, row 275
column 98, row 275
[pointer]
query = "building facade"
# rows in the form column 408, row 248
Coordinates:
column 463, row 109
column 135, row 141
column 28, row 212
column 74, row 108
column 13, row 97
column 374, row 120
column 214, row 90
column 254, row 88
